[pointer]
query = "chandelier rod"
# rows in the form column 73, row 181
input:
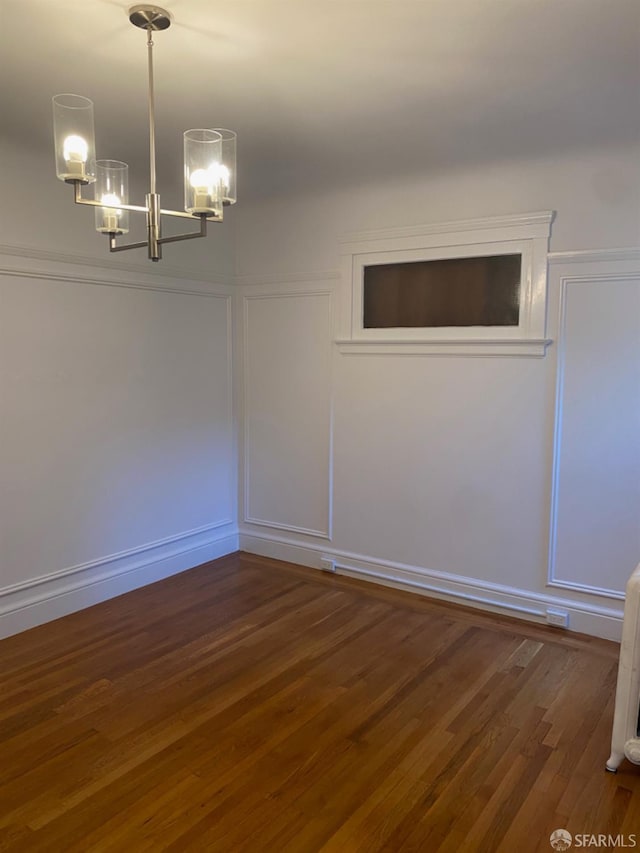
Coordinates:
column 152, row 117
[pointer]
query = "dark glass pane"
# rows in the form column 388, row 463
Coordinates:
column 455, row 292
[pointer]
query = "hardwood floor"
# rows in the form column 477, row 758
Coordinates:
column 249, row 705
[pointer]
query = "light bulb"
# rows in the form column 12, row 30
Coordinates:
column 75, row 151
column 110, row 215
column 111, row 199
column 202, row 181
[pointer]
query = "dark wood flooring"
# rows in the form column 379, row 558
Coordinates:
column 250, row 705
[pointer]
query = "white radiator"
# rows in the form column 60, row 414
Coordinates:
column 625, row 740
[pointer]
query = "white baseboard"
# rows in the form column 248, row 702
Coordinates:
column 584, row 617
column 43, row 599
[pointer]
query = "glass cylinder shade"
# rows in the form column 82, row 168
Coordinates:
column 203, row 186
column 112, row 188
column 228, row 170
column 74, row 138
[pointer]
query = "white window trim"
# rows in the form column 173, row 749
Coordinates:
column 527, row 235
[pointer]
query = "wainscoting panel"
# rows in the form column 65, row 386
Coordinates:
column 595, row 531
column 117, row 431
column 287, row 383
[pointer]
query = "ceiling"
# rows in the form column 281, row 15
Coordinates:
column 324, row 93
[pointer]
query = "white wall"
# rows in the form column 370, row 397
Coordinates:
column 595, row 193
column 117, row 438
column 442, row 468
column 117, row 429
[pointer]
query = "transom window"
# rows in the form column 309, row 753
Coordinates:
column 477, row 287
column 482, row 291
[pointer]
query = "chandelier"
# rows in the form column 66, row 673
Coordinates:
column 209, row 164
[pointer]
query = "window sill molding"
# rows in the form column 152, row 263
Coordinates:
column 484, row 347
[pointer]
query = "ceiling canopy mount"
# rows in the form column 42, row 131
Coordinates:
column 149, row 17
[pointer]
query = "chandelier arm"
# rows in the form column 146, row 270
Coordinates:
column 144, row 244
column 190, row 236
column 181, row 214
column 95, row 203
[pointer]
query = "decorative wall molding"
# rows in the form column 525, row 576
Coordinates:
column 247, row 516
column 601, row 265
column 589, row 256
column 285, row 294
column 305, row 277
column 542, row 218
column 604, row 592
column 290, row 528
column 231, row 413
column 70, row 278
column 248, row 279
column 147, row 548
column 584, row 617
column 48, row 597
column 164, row 270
